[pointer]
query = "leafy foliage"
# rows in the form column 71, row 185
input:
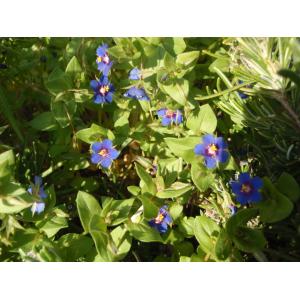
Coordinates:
column 102, row 201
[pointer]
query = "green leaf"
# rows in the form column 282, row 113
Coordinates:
column 117, row 211
column 134, row 190
column 249, row 240
column 98, row 231
column 92, row 134
column 151, row 206
column 73, row 66
column 44, row 122
column 52, row 225
column 206, row 233
column 184, row 147
column 275, row 206
column 221, row 63
column 175, row 210
column 246, row 239
column 223, row 246
column 186, row 226
column 58, row 81
column 63, row 107
column 203, row 120
column 287, row 185
column 122, row 241
column 174, row 45
column 178, row 90
column 87, row 206
column 175, row 190
column 202, row 177
column 7, row 164
column 147, row 184
column 74, row 247
column 14, row 198
column 188, row 59
column 144, row 233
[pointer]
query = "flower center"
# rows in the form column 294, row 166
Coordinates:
column 103, row 152
column 212, row 150
column 246, row 188
column 159, row 219
column 104, row 59
column 170, row 114
column 104, row 89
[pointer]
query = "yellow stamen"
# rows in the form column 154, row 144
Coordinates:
column 99, row 59
column 159, row 218
column 104, row 89
column 212, row 149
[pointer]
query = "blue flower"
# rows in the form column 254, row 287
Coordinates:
column 135, row 74
column 170, row 116
column 213, row 149
column 37, row 207
column 103, row 153
column 103, row 90
column 103, row 60
column 37, row 190
column 162, row 220
column 136, row 93
column 246, row 188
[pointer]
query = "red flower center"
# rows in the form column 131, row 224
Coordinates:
column 103, row 152
column 104, row 59
column 159, row 219
column 212, row 150
column 246, row 188
column 170, row 114
column 103, row 89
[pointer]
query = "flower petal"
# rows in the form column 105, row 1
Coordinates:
column 106, row 162
column 210, row 162
column 199, row 149
column 104, row 80
column 161, row 112
column 220, row 142
column 244, row 177
column 208, row 139
column 255, row 196
column 42, row 193
column 223, row 156
column 38, row 180
column 95, row 158
column 109, row 97
column 99, row 99
column 166, row 121
column 94, row 84
column 101, row 50
column 257, row 182
column 96, row 147
column 113, row 153
column 135, row 74
column 241, row 198
column 107, row 144
column 235, row 186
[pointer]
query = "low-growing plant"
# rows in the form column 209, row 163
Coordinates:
column 149, row 149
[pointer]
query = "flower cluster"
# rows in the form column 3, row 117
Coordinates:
column 37, row 190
